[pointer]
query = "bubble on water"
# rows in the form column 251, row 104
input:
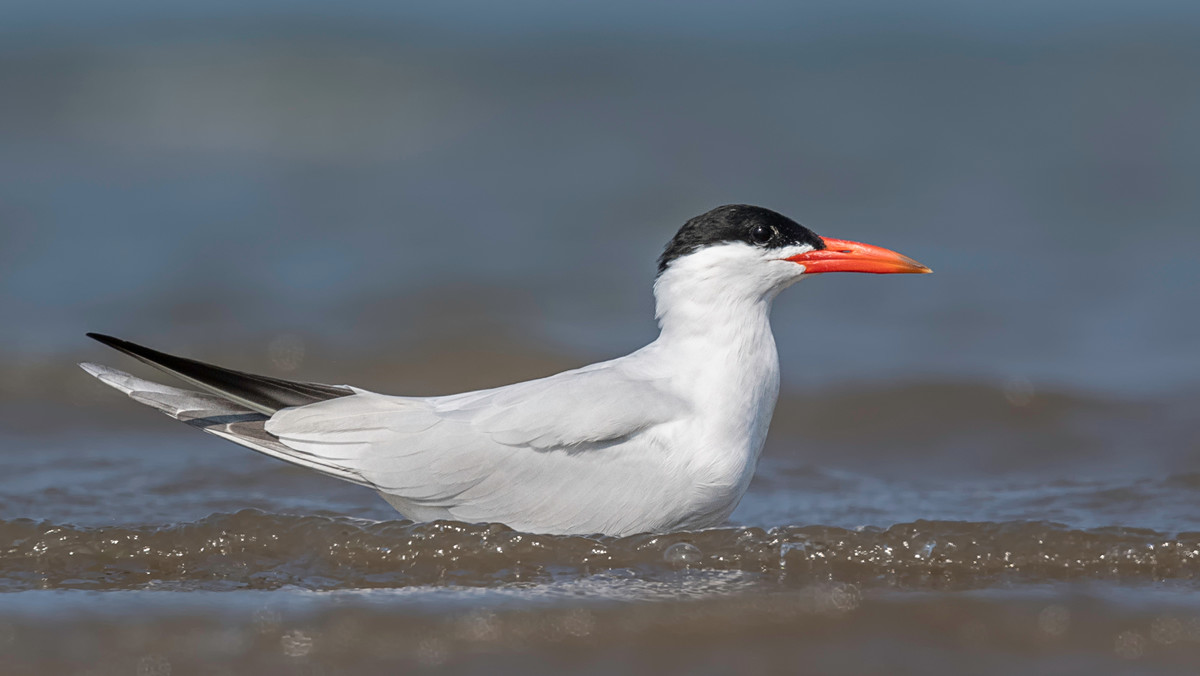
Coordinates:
column 266, row 621
column 1129, row 645
column 797, row 551
column 432, row 651
column 682, row 555
column 1054, row 620
column 1191, row 630
column 296, row 643
column 788, row 547
column 844, row 597
column 925, row 550
column 154, row 665
column 481, row 626
column 578, row 622
column 1166, row 630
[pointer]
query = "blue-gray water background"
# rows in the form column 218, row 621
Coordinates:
column 422, row 198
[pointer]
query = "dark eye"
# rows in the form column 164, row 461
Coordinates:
column 761, row 234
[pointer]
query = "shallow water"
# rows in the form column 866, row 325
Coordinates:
column 827, row 628
column 150, row 546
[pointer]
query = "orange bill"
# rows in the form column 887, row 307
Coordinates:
column 841, row 255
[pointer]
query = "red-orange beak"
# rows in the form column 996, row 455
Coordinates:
column 840, row 255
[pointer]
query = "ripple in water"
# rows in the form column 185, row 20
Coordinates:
column 256, row 550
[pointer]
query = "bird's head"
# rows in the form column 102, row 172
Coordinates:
column 753, row 250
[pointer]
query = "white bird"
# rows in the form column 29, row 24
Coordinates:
column 665, row 438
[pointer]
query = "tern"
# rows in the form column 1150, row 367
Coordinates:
column 666, row 438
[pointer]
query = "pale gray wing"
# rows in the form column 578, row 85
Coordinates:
column 539, row 450
column 600, row 403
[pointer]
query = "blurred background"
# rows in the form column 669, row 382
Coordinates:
column 354, row 190
column 422, row 198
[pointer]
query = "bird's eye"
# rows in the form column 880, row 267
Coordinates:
column 761, row 234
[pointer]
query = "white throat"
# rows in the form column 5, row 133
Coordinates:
column 714, row 323
column 721, row 294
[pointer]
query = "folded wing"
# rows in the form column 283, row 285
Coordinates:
column 537, row 454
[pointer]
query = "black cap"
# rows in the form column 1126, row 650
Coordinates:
column 751, row 225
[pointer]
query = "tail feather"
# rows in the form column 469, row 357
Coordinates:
column 258, row 393
column 183, row 405
column 215, row 415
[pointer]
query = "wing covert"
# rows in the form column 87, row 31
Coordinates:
column 536, row 439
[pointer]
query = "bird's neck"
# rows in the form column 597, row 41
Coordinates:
column 717, row 352
column 717, row 335
column 708, row 312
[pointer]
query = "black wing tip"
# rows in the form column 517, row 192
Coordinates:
column 107, row 340
column 121, row 345
column 266, row 393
